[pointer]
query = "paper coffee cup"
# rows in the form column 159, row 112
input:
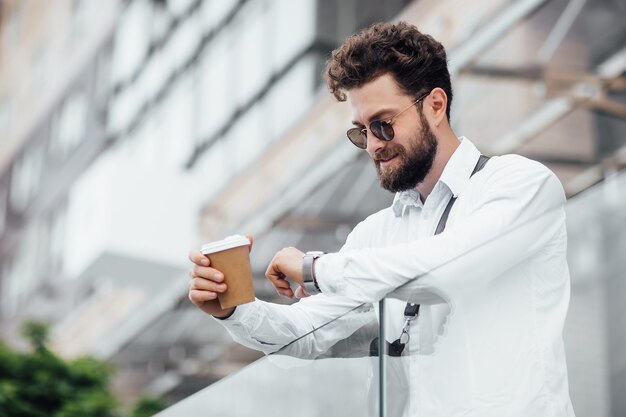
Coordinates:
column 231, row 256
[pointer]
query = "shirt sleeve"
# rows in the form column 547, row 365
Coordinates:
column 292, row 329
column 519, row 211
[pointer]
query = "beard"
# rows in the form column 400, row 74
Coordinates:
column 414, row 163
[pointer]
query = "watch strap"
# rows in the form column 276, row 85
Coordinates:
column 308, row 273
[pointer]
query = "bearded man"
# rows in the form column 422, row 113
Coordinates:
column 470, row 256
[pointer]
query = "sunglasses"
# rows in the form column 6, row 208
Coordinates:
column 382, row 129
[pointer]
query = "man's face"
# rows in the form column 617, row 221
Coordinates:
column 403, row 162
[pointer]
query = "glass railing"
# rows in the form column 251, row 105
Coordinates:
column 341, row 379
column 343, row 376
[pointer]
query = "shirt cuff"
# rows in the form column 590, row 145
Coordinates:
column 329, row 273
column 240, row 315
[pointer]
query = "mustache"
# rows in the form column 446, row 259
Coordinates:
column 387, row 153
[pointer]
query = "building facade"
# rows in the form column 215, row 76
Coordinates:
column 133, row 131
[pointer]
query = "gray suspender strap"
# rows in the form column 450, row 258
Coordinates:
column 482, row 160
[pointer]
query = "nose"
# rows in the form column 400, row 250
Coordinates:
column 373, row 143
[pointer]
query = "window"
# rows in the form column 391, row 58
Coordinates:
column 252, row 58
column 294, row 29
column 132, row 39
column 214, row 12
column 153, row 77
column 292, row 95
column 40, row 65
column 103, row 76
column 216, row 165
column 217, row 98
column 8, row 301
column 160, row 22
column 3, row 209
column 248, row 138
column 79, row 18
column 69, row 126
column 20, row 273
column 179, row 7
column 5, row 117
column 26, row 177
column 178, row 124
column 56, row 241
column 14, row 24
column 182, row 43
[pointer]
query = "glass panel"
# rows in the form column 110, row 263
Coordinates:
column 333, row 368
column 472, row 324
column 595, row 335
column 440, row 354
column 326, row 372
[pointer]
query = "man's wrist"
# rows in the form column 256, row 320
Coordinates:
column 226, row 315
column 329, row 273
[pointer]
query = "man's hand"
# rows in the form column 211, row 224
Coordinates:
column 286, row 266
column 206, row 283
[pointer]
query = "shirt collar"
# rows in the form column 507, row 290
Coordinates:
column 404, row 199
column 455, row 176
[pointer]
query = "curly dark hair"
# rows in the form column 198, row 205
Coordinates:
column 417, row 61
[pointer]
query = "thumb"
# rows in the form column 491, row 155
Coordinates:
column 301, row 293
column 251, row 239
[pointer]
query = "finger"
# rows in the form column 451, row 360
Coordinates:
column 276, row 277
column 206, row 273
column 198, row 258
column 251, row 239
column 198, row 297
column 278, row 281
column 301, row 293
column 285, row 292
column 206, row 285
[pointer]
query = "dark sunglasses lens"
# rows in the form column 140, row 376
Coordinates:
column 387, row 131
column 357, row 137
column 382, row 130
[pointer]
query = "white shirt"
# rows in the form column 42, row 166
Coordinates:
column 493, row 289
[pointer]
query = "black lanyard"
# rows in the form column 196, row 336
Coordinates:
column 412, row 310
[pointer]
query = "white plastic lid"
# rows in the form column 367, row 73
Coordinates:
column 226, row 243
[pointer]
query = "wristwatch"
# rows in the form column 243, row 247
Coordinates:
column 308, row 274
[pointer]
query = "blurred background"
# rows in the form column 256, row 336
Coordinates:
column 134, row 131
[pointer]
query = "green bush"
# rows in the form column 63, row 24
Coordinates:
column 41, row 384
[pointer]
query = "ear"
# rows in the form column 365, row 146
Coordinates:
column 437, row 103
